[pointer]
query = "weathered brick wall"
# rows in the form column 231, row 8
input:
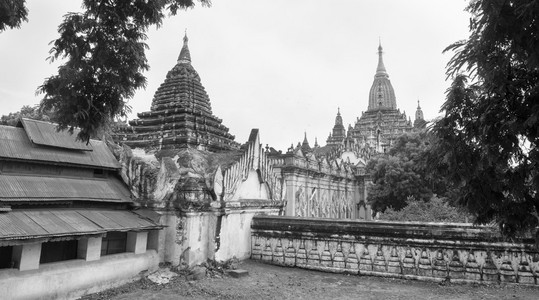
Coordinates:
column 428, row 251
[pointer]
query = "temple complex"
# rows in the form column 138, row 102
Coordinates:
column 383, row 122
column 174, row 187
column 180, row 115
column 181, row 162
column 330, row 181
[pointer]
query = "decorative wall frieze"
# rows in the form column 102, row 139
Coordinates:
column 430, row 252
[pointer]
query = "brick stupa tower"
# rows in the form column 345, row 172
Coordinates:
column 180, row 115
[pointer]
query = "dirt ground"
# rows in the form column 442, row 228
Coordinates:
column 273, row 282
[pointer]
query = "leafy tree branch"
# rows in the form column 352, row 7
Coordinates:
column 489, row 135
column 104, row 48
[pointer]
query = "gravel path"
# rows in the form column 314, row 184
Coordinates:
column 273, row 282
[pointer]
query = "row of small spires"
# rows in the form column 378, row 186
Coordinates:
column 398, row 110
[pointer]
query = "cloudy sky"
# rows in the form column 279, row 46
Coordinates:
column 278, row 65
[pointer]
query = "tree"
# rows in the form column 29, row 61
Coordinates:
column 488, row 137
column 434, row 210
column 402, row 173
column 30, row 112
column 12, row 14
column 105, row 57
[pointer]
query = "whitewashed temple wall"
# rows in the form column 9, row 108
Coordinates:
column 205, row 202
column 320, row 196
column 321, row 189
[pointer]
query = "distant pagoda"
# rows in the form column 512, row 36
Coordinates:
column 382, row 123
column 180, row 115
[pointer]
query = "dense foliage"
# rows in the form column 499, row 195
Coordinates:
column 105, row 57
column 434, row 210
column 488, row 138
column 12, row 14
column 30, row 112
column 402, row 172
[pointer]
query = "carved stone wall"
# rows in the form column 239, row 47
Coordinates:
column 319, row 187
column 432, row 252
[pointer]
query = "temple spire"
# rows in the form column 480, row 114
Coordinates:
column 381, row 69
column 338, row 118
column 419, row 112
column 305, row 147
column 185, row 55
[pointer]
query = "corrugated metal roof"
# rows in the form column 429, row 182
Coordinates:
column 39, row 223
column 15, row 188
column 45, row 133
column 15, row 144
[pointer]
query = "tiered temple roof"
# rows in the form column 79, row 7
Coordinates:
column 379, row 128
column 180, row 115
column 338, row 133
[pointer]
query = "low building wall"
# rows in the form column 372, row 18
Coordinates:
column 221, row 233
column 74, row 278
column 422, row 251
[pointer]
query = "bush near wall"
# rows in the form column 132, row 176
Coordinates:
column 435, row 210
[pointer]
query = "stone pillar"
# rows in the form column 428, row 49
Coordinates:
column 368, row 182
column 137, row 241
column 169, row 250
column 319, row 197
column 89, row 248
column 307, row 195
column 358, row 196
column 291, row 187
column 27, row 256
column 198, row 232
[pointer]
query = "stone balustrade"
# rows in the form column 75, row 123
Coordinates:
column 421, row 251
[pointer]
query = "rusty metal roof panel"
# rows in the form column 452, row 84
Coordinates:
column 50, row 223
column 98, row 218
column 121, row 222
column 127, row 219
column 27, row 224
column 16, row 144
column 45, row 133
column 72, row 218
column 8, row 227
column 16, row 188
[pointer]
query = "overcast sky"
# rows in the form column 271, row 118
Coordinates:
column 278, row 65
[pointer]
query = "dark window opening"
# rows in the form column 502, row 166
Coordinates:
column 114, row 242
column 6, row 257
column 58, row 251
column 100, row 173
